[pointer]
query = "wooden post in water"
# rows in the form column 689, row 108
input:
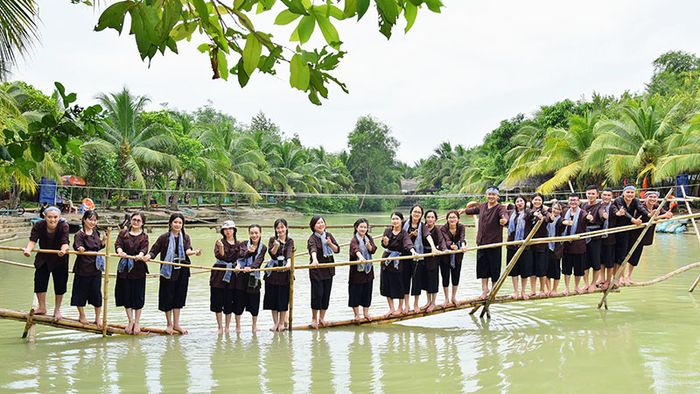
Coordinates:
column 697, row 233
column 291, row 291
column 504, row 275
column 621, row 270
column 105, row 284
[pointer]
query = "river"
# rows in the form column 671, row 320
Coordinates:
column 648, row 341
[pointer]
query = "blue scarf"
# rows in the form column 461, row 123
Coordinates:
column 552, row 232
column 519, row 227
column 571, row 230
column 327, row 250
column 366, row 267
column 393, row 253
column 453, row 256
column 100, row 263
column 166, row 270
column 227, row 274
column 125, row 264
column 280, row 261
column 248, row 261
column 418, row 245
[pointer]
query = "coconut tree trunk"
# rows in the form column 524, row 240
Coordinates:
column 173, row 203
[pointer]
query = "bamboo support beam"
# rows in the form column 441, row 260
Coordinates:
column 30, row 323
column 621, row 270
column 497, row 286
column 697, row 233
column 105, row 285
column 291, row 292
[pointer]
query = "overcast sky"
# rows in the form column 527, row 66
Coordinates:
column 453, row 77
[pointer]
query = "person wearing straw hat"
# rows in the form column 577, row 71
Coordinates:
column 87, row 282
column 281, row 249
column 651, row 203
column 130, row 289
column 630, row 210
column 492, row 218
column 227, row 250
column 174, row 247
column 50, row 233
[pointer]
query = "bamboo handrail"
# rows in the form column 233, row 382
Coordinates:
column 697, row 233
column 621, row 269
column 509, row 268
column 291, row 291
column 380, row 260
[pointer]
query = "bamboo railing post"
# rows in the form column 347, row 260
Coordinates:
column 504, row 275
column 105, row 285
column 697, row 233
column 291, row 292
column 621, row 270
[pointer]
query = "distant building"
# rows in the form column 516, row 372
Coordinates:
column 409, row 186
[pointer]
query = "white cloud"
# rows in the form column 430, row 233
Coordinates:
column 453, row 77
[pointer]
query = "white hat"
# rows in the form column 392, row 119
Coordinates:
column 228, row 224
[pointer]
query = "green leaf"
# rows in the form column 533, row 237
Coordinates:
column 388, row 10
column 299, row 73
column 329, row 31
column 113, row 16
column 74, row 146
column 202, row 9
column 37, row 150
column 243, row 77
column 286, row 17
column 410, row 12
column 362, row 6
column 251, row 53
column 183, row 30
column 304, row 29
column 350, row 8
column 16, row 150
column 223, row 64
column 295, row 6
column 434, row 5
column 203, row 48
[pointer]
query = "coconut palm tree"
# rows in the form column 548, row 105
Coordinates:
column 683, row 151
column 136, row 146
column 563, row 152
column 635, row 145
column 18, row 30
column 527, row 147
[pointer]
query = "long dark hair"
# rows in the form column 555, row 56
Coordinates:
column 410, row 214
column 176, row 215
column 519, row 196
column 87, row 215
column 357, row 223
column 315, row 220
column 286, row 227
column 252, row 226
column 235, row 230
column 540, row 196
column 434, row 212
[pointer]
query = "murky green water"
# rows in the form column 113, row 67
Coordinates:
column 648, row 342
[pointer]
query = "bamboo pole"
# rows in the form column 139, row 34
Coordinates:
column 509, row 268
column 697, row 233
column 621, row 270
column 105, row 286
column 291, row 292
column 30, row 323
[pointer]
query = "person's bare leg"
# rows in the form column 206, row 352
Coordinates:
column 282, row 320
column 57, row 308
column 365, row 314
column 516, row 293
column 81, row 315
column 406, row 303
column 275, row 320
column 446, row 291
column 567, row 280
column 255, row 324
column 356, row 311
column 137, row 322
column 416, row 304
column 577, row 282
column 555, row 288
column 390, row 303
column 41, row 299
column 219, row 323
column 228, row 323
column 594, row 281
column 322, row 317
column 169, row 320
column 484, row 289
column 130, row 317
column 533, row 286
column 543, row 290
column 176, row 322
column 454, row 294
column 523, row 289
column 98, row 316
column 431, row 302
column 238, row 324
